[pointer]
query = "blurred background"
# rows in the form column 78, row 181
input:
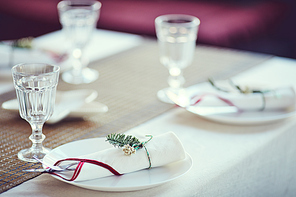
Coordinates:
column 265, row 26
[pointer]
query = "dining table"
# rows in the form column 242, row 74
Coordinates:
column 227, row 155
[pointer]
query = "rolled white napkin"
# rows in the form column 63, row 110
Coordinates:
column 275, row 99
column 163, row 149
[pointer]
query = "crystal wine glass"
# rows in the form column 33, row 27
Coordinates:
column 79, row 19
column 176, row 36
column 35, row 86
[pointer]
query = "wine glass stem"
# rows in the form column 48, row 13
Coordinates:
column 176, row 79
column 77, row 64
column 37, row 137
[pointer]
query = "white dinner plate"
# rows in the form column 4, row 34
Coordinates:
column 244, row 117
column 74, row 104
column 142, row 179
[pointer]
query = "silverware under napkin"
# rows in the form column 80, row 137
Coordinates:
column 51, row 169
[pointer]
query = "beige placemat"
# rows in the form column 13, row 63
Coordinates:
column 127, row 84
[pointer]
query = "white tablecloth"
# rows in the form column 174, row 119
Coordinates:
column 228, row 160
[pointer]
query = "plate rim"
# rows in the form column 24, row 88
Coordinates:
column 247, row 120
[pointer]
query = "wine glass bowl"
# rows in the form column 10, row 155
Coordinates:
column 35, row 86
column 176, row 34
column 79, row 19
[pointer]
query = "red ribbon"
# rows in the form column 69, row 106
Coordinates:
column 79, row 167
column 200, row 98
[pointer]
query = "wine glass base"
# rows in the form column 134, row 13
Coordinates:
column 87, row 75
column 181, row 95
column 27, row 154
column 162, row 96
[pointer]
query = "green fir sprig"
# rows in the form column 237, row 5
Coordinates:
column 119, row 140
column 247, row 90
column 19, row 43
column 23, row 42
column 211, row 81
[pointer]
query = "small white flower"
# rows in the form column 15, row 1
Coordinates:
column 128, row 150
column 247, row 90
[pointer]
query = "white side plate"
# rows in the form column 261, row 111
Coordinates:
column 75, row 103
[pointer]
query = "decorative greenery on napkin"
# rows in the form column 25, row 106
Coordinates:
column 246, row 90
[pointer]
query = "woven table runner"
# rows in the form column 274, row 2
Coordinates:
column 127, row 84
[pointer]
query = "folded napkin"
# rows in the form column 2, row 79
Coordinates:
column 162, row 150
column 271, row 99
column 11, row 57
